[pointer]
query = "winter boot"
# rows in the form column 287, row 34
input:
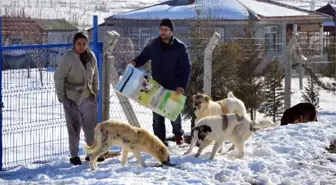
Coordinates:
column 179, row 140
column 75, row 161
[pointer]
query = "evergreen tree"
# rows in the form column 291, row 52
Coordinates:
column 249, row 83
column 311, row 93
column 274, row 92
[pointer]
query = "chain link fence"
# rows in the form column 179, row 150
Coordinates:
column 254, row 68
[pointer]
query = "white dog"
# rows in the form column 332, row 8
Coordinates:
column 204, row 106
column 220, row 128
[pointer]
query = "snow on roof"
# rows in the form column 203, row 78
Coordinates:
column 271, row 10
column 308, row 4
column 222, row 9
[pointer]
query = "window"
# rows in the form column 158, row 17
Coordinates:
column 16, row 41
column 271, row 38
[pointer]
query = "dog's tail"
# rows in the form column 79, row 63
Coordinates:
column 262, row 124
column 230, row 95
column 98, row 137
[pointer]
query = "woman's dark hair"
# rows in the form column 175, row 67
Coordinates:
column 80, row 35
column 86, row 56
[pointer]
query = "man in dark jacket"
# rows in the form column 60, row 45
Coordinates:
column 171, row 68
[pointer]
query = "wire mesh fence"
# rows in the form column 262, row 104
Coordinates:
column 242, row 65
column 33, row 128
column 33, row 120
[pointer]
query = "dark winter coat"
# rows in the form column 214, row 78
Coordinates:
column 170, row 62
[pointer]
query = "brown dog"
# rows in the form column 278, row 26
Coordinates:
column 300, row 113
column 132, row 139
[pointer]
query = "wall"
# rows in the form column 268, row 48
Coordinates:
column 58, row 37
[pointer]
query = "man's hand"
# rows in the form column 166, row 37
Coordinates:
column 133, row 63
column 179, row 90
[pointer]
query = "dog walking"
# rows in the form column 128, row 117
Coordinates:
column 170, row 66
column 77, row 86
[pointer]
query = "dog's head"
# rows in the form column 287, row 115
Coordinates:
column 164, row 155
column 200, row 101
column 201, row 132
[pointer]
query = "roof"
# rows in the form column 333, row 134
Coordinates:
column 56, row 25
column 221, row 10
column 307, row 4
column 174, row 9
column 18, row 25
column 268, row 9
column 327, row 9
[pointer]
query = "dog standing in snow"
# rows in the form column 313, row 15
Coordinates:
column 204, row 106
column 221, row 128
column 114, row 133
column 299, row 113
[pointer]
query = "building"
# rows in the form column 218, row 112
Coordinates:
column 275, row 21
column 27, row 31
column 57, row 30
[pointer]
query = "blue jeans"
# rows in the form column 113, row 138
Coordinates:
column 159, row 126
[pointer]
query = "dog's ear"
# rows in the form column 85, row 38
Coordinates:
column 206, row 128
column 207, row 98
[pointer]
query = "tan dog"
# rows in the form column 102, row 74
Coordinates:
column 231, row 104
column 114, row 133
column 205, row 106
column 220, row 128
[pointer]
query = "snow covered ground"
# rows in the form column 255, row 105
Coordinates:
column 284, row 155
column 293, row 155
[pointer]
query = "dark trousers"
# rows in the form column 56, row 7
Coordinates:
column 80, row 116
column 159, row 126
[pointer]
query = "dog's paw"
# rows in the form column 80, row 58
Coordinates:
column 197, row 155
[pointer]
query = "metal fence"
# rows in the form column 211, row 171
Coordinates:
column 32, row 124
column 318, row 56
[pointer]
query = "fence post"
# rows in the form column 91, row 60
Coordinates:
column 110, row 41
column 1, row 104
column 207, row 76
column 288, row 70
column 97, row 49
